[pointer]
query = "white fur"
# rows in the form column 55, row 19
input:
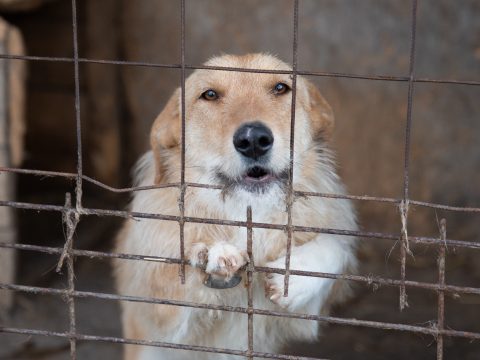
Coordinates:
column 326, row 253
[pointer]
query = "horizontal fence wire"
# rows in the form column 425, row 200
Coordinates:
column 72, row 214
column 426, row 240
column 433, row 330
column 236, row 69
column 166, row 345
column 299, row 193
column 370, row 280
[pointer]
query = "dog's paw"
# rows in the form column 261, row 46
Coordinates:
column 224, row 260
column 302, row 290
column 274, row 290
column 198, row 255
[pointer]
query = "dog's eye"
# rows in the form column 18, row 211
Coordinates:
column 280, row 88
column 209, row 95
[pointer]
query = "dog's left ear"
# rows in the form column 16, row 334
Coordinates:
column 321, row 114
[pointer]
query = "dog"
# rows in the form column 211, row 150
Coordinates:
column 237, row 137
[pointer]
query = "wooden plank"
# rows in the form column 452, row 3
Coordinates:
column 20, row 5
column 12, row 129
column 103, row 123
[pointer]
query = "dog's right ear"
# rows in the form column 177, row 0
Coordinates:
column 165, row 132
column 321, row 114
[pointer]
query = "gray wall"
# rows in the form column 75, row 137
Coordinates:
column 367, row 37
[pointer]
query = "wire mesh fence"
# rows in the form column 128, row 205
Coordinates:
column 72, row 212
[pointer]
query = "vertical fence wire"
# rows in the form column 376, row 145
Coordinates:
column 441, row 292
column 404, row 246
column 181, row 204
column 78, row 122
column 71, row 218
column 291, row 196
column 250, row 269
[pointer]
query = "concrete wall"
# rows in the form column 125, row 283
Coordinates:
column 361, row 37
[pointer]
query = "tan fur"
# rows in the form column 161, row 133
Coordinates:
column 210, row 125
column 165, row 134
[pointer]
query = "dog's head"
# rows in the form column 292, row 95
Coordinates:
column 238, row 125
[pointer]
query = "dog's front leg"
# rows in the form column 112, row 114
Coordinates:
column 325, row 253
column 221, row 260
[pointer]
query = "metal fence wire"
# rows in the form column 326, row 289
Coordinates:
column 71, row 215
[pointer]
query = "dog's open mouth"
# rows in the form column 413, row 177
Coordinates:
column 258, row 174
column 255, row 179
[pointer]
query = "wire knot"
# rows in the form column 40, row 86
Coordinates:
column 404, row 206
column 70, row 219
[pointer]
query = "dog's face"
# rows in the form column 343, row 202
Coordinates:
column 238, row 125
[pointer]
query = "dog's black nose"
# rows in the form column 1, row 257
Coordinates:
column 253, row 140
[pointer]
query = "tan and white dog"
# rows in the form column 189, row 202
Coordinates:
column 237, row 136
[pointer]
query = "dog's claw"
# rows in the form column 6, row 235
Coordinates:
column 274, row 290
column 224, row 261
column 198, row 255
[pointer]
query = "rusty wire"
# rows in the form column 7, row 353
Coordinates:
column 72, row 215
column 404, row 246
column 167, row 345
column 441, row 291
column 369, row 280
column 397, row 201
column 426, row 330
column 250, row 270
column 197, row 220
column 290, row 194
column 181, row 201
column 329, row 74
column 71, row 220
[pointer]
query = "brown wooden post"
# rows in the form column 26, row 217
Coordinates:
column 103, row 123
column 12, row 128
